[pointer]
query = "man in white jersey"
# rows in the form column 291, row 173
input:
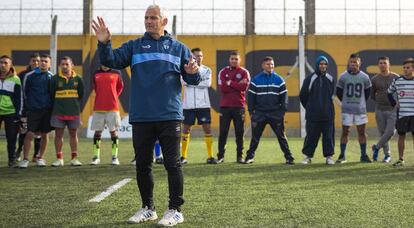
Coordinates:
column 353, row 90
column 401, row 96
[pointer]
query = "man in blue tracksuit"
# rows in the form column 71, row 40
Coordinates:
column 316, row 97
column 267, row 103
column 157, row 62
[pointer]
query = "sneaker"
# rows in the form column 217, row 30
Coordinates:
column 75, row 162
column 341, row 160
column 387, row 159
column 143, row 215
column 211, row 160
column 115, row 161
column 375, row 151
column 24, row 164
column 248, row 160
column 307, row 161
column 133, row 162
column 399, row 163
column 95, row 161
column 330, row 161
column 240, row 160
column 40, row 162
column 159, row 160
column 365, row 159
column 290, row 161
column 171, row 218
column 183, row 160
column 13, row 164
column 58, row 163
column 220, row 160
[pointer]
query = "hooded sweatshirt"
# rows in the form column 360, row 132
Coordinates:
column 10, row 94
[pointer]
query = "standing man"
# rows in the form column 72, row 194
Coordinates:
column 385, row 114
column 10, row 105
column 267, row 101
column 33, row 64
column 36, row 94
column 233, row 82
column 353, row 90
column 108, row 86
column 316, row 97
column 196, row 105
column 401, row 96
column 66, row 89
column 157, row 63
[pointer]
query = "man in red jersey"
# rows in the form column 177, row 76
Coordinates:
column 108, row 85
column 233, row 81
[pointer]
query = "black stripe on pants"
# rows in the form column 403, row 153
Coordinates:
column 144, row 136
column 226, row 116
column 12, row 128
column 314, row 129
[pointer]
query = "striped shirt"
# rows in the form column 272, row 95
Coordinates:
column 403, row 89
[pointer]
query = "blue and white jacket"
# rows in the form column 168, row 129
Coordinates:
column 36, row 91
column 267, row 95
column 156, row 67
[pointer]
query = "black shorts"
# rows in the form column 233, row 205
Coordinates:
column 202, row 115
column 405, row 125
column 39, row 121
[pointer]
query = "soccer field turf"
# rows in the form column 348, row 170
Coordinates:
column 266, row 193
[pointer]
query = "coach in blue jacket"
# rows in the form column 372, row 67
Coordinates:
column 316, row 96
column 157, row 62
column 267, row 103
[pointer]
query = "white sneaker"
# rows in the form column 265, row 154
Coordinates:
column 307, row 160
column 95, row 161
column 171, row 218
column 143, row 215
column 115, row 161
column 133, row 162
column 23, row 164
column 330, row 161
column 58, row 163
column 75, row 162
column 40, row 163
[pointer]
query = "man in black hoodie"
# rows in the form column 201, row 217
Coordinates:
column 316, row 97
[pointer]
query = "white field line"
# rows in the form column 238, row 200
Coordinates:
column 110, row 190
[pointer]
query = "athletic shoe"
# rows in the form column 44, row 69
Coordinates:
column 58, row 163
column 40, row 162
column 211, row 160
column 330, row 161
column 365, row 159
column 133, row 162
column 143, row 215
column 13, row 164
column 240, row 160
column 95, row 161
column 341, row 160
column 375, row 151
column 307, row 161
column 115, row 161
column 248, row 160
column 24, row 164
column 399, row 163
column 220, row 160
column 171, row 218
column 183, row 160
column 387, row 159
column 75, row 162
column 290, row 161
column 159, row 160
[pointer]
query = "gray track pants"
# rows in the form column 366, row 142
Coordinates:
column 386, row 128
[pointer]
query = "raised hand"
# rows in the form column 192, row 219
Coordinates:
column 102, row 32
column 191, row 67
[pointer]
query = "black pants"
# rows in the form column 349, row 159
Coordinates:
column 144, row 136
column 12, row 128
column 226, row 116
column 278, row 128
column 313, row 132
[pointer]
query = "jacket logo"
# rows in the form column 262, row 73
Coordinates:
column 166, row 45
column 146, row 46
column 238, row 76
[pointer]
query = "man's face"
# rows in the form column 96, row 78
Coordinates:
column 5, row 65
column 234, row 60
column 66, row 66
column 268, row 66
column 408, row 69
column 354, row 64
column 198, row 55
column 34, row 62
column 154, row 24
column 323, row 66
column 44, row 64
column 383, row 65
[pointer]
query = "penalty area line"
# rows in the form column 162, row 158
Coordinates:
column 110, row 190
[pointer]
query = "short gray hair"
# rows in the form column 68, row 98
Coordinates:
column 163, row 11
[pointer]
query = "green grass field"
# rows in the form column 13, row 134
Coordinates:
column 266, row 193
